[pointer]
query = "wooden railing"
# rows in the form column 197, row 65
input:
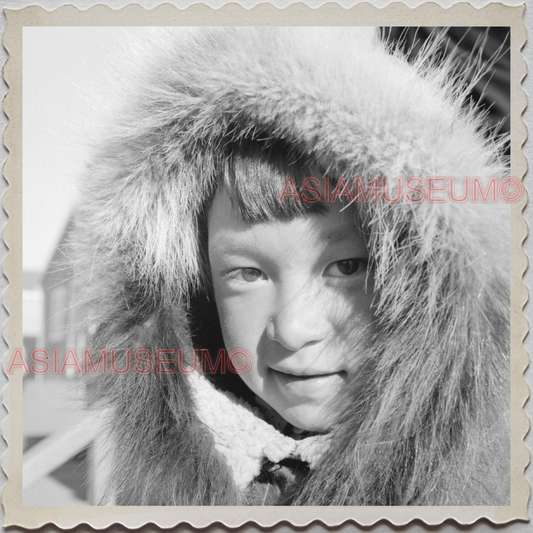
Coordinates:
column 57, row 449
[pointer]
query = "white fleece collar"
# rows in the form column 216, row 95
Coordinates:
column 243, row 437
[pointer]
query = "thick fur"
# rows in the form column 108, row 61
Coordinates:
column 433, row 426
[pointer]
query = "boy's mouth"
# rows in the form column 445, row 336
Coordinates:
column 307, row 383
column 308, row 374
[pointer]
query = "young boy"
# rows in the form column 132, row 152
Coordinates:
column 296, row 295
column 376, row 328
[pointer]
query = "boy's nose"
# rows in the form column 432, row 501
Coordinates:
column 300, row 318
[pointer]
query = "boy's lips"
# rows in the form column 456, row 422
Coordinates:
column 309, row 373
column 307, row 384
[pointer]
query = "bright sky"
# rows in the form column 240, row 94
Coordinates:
column 65, row 75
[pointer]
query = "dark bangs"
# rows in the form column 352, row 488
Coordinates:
column 265, row 184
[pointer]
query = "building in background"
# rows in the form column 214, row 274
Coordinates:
column 54, row 403
column 33, row 309
column 64, row 320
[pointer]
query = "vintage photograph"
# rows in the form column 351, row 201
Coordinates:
column 266, row 266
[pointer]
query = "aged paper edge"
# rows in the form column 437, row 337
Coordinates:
column 398, row 14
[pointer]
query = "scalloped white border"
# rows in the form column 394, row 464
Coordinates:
column 262, row 14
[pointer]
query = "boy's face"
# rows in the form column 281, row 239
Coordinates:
column 293, row 294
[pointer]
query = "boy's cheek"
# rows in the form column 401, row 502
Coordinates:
column 242, row 324
column 246, row 303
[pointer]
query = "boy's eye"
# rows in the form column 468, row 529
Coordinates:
column 247, row 274
column 346, row 267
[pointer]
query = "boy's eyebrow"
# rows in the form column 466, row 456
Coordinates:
column 228, row 243
column 339, row 234
column 232, row 244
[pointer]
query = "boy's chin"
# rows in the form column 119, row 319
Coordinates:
column 313, row 420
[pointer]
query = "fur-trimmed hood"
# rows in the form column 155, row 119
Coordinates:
column 340, row 100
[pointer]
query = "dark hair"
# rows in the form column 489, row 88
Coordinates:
column 255, row 177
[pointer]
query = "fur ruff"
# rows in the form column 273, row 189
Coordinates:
column 432, row 427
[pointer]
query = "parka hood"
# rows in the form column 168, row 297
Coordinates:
column 343, row 102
